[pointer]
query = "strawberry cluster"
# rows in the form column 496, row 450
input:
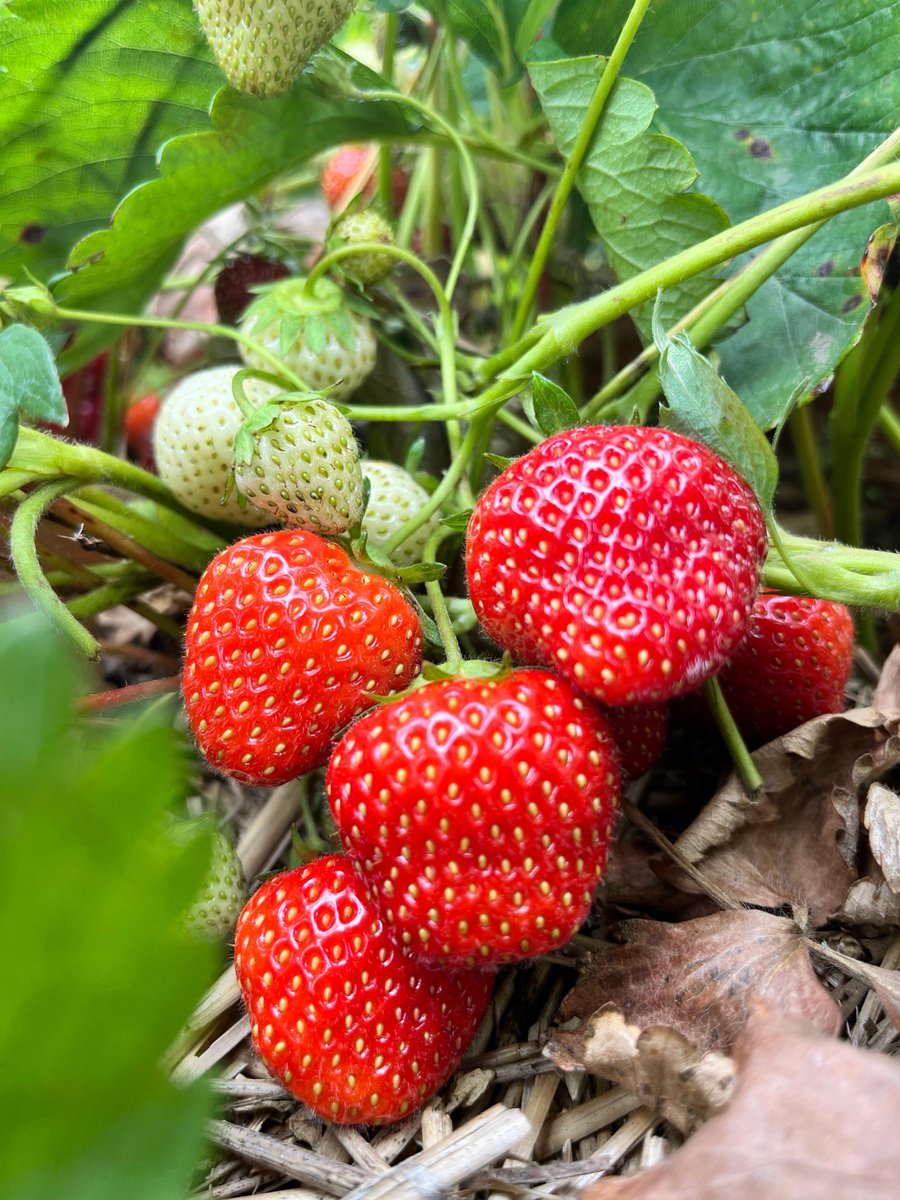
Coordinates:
column 619, row 567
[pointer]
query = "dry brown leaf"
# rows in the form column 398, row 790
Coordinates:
column 809, row 1119
column 658, row 1065
column 632, row 886
column 699, row 976
column 887, row 692
column 884, row 981
column 798, row 844
column 882, row 819
column 870, row 902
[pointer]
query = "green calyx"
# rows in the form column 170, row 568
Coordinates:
column 302, row 313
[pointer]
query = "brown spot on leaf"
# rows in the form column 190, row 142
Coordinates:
column 825, row 268
column 760, row 148
column 853, row 302
column 32, row 235
column 742, row 135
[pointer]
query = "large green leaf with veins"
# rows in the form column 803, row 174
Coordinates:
column 634, row 181
column 249, row 143
column 774, row 98
column 88, row 94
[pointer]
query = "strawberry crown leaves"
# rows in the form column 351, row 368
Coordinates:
column 303, row 315
column 702, row 406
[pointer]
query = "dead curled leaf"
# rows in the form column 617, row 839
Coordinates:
column 809, row 1119
column 658, row 1065
column 798, row 844
column 881, row 818
column 699, row 976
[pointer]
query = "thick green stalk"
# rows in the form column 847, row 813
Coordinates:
column 23, row 552
column 731, row 735
column 809, row 462
column 576, row 158
column 452, row 652
column 562, row 332
column 831, row 571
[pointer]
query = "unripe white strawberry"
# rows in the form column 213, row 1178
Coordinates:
column 214, row 912
column 193, row 443
column 318, row 337
column 365, row 225
column 394, row 498
column 297, row 459
column 263, row 45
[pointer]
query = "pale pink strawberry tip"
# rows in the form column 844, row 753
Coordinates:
column 626, row 559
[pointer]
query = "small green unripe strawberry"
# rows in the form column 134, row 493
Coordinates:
column 263, row 45
column 193, row 442
column 394, row 498
column 297, row 459
column 365, row 226
column 214, row 912
column 316, row 335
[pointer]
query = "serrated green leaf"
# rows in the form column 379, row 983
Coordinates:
column 634, row 181
column 703, row 407
column 554, row 409
column 93, row 899
column 28, row 384
column 774, row 99
column 458, row 521
column 248, row 142
column 342, row 327
column 88, row 94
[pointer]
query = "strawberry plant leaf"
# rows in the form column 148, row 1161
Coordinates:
column 702, row 406
column 458, row 521
column 247, row 143
column 291, row 327
column 28, row 384
column 101, row 959
column 342, row 327
column 314, row 333
column 86, row 100
column 810, row 92
column 634, row 181
column 500, row 33
column 554, row 409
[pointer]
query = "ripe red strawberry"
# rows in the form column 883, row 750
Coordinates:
column 235, row 283
column 480, row 812
column 793, row 665
column 348, row 1023
column 286, row 642
column 84, row 391
column 626, row 558
column 347, row 174
column 140, row 417
column 640, row 736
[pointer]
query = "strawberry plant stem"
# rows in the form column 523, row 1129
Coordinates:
column 809, row 462
column 23, row 552
column 132, row 694
column 452, row 652
column 562, row 332
column 385, row 167
column 889, row 424
column 740, row 755
column 573, row 164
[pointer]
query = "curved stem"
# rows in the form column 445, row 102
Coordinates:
column 226, row 331
column 23, row 552
column 561, row 333
column 576, row 158
column 469, row 172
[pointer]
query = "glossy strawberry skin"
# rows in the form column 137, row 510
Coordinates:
column 234, row 283
column 480, row 812
column 285, row 643
column 640, row 733
column 793, row 665
column 627, row 559
column 346, row 1021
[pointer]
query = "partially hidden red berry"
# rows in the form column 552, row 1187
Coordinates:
column 793, row 665
column 140, row 418
column 287, row 641
column 480, row 812
column 348, row 1023
column 625, row 558
column 351, row 171
column 236, row 281
column 84, row 391
column 640, row 735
